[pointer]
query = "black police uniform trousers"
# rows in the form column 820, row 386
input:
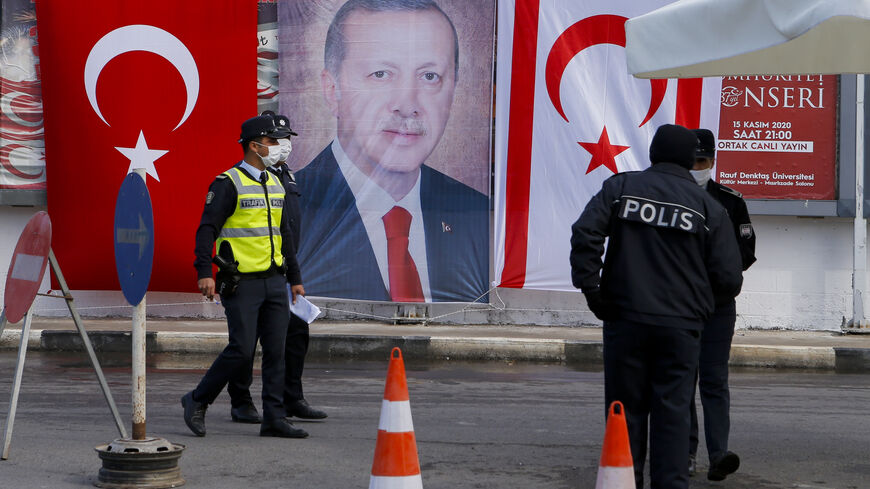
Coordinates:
column 650, row 369
column 295, row 349
column 712, row 379
column 258, row 309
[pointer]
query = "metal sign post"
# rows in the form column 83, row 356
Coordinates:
column 141, row 461
column 16, row 384
column 134, row 254
column 138, row 370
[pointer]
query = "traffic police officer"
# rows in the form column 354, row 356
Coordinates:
column 296, row 345
column 719, row 328
column 244, row 213
column 671, row 252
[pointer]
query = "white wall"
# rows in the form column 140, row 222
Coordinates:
column 802, row 281
column 803, row 277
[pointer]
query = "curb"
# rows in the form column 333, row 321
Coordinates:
column 780, row 356
column 328, row 347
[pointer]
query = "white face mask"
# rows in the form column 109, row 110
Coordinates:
column 274, row 154
column 702, row 176
column 286, row 148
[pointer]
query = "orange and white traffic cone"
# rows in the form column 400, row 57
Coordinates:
column 616, row 468
column 396, row 465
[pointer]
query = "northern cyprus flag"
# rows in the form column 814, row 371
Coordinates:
column 568, row 116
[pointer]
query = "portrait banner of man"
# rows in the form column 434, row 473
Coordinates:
column 392, row 100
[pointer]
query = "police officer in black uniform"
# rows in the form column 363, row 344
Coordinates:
column 243, row 213
column 671, row 252
column 296, row 345
column 719, row 328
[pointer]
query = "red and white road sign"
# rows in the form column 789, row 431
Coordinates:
column 27, row 267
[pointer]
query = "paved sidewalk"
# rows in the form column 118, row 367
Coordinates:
column 579, row 346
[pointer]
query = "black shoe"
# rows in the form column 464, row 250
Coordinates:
column 722, row 466
column 282, row 429
column 301, row 409
column 693, row 466
column 246, row 413
column 194, row 414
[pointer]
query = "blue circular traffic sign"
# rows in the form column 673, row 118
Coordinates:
column 134, row 238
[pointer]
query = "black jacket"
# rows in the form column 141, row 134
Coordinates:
column 671, row 253
column 734, row 204
column 291, row 198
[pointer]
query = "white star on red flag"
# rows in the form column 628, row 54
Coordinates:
column 142, row 157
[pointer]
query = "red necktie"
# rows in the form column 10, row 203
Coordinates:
column 404, row 279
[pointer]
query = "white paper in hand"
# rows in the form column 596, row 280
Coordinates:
column 303, row 309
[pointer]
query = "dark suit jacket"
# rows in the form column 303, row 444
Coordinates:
column 291, row 199
column 337, row 259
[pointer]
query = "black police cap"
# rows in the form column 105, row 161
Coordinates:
column 262, row 125
column 281, row 121
column 707, row 147
column 673, row 144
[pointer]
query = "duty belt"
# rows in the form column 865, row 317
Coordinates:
column 273, row 270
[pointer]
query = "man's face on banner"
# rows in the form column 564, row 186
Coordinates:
column 394, row 89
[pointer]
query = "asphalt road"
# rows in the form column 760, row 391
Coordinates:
column 481, row 425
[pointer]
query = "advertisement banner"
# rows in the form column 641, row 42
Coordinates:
column 569, row 116
column 22, row 147
column 267, row 55
column 393, row 106
column 160, row 85
column 778, row 136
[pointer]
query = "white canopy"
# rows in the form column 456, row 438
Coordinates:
column 695, row 38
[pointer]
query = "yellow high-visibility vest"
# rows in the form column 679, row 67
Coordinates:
column 254, row 228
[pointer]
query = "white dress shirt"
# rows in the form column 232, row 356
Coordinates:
column 373, row 202
column 255, row 173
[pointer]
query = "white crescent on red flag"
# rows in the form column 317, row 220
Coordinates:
column 21, row 135
column 568, row 116
column 162, row 85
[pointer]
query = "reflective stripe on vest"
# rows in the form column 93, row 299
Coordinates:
column 254, row 228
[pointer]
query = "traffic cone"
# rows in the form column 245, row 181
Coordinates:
column 396, row 465
column 616, row 469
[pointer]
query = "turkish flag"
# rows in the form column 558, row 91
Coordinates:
column 159, row 84
column 569, row 117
